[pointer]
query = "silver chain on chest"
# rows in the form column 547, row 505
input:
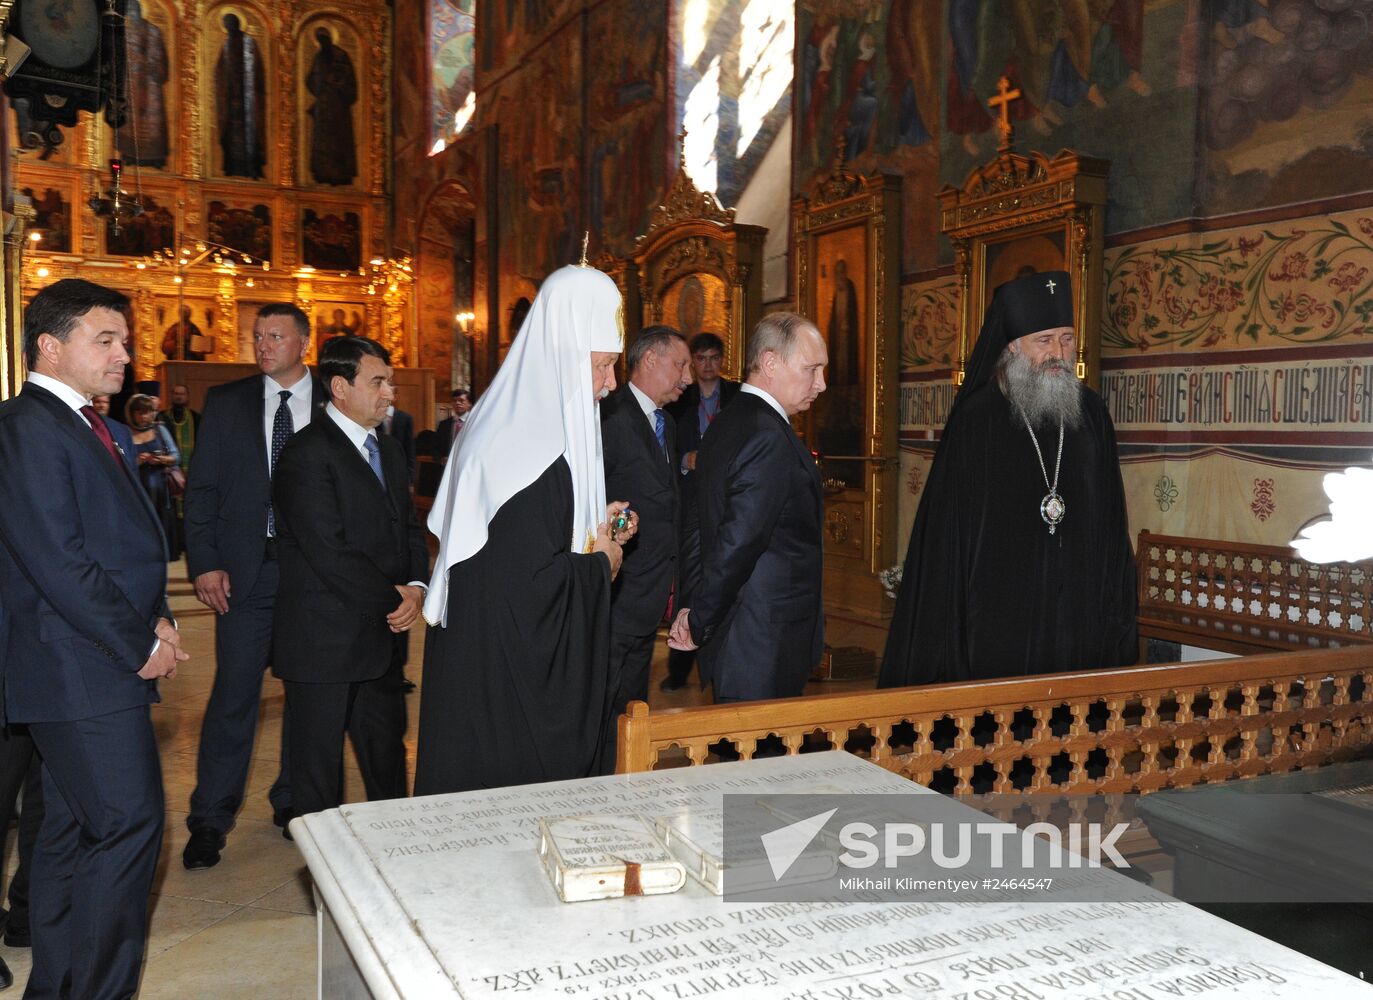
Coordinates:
column 1051, row 508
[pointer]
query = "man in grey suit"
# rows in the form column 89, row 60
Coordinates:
column 231, row 552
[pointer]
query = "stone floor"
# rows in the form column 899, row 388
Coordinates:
column 246, row 927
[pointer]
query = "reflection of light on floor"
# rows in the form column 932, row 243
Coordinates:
column 1348, row 535
column 765, row 50
column 701, row 116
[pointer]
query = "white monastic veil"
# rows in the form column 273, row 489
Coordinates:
column 537, row 408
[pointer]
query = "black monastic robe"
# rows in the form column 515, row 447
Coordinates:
column 986, row 590
column 515, row 686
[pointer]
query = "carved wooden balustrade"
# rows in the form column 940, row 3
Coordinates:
column 1244, row 598
column 1136, row 729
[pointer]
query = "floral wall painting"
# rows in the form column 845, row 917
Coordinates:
column 1270, row 286
column 929, row 326
column 331, row 241
column 247, row 228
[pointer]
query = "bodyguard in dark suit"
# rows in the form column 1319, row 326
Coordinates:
column 756, row 597
column 231, row 555
column 692, row 414
column 641, row 468
column 401, row 426
column 83, row 577
column 352, row 560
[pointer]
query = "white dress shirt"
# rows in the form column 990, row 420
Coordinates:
column 358, row 435
column 301, row 397
column 766, row 396
column 648, row 406
column 62, row 391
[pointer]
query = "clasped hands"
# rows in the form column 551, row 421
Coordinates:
column 611, row 540
column 408, row 611
column 163, row 661
column 680, row 635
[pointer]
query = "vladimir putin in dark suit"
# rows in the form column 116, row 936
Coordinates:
column 83, row 577
column 231, row 555
column 641, row 468
column 756, row 607
column 352, row 558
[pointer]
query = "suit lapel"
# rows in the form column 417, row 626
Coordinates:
column 802, row 452
column 255, row 404
column 118, row 473
column 352, row 460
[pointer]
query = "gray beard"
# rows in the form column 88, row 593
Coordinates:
column 1046, row 396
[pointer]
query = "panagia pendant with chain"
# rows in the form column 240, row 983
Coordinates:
column 1052, row 508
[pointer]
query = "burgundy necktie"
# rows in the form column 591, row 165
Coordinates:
column 101, row 431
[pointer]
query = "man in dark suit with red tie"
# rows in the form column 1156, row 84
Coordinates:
column 353, row 566
column 756, row 610
column 231, row 554
column 641, row 468
column 83, row 577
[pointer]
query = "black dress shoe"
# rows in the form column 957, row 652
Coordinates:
column 668, row 684
column 282, row 818
column 17, row 937
column 6, row 976
column 407, row 685
column 202, row 850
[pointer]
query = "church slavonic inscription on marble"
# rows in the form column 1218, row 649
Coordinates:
column 466, row 872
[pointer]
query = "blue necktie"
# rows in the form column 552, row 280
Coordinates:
column 282, row 429
column 374, row 457
column 660, row 428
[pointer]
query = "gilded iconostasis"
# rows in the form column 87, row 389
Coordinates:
column 254, row 142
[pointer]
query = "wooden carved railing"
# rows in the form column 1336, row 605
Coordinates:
column 1245, row 598
column 1136, row 729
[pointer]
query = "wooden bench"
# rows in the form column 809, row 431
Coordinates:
column 1242, row 598
column 1135, row 729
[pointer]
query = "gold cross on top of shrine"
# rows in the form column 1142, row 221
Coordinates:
column 1005, row 94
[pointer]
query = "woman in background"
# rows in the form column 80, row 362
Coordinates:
column 156, row 454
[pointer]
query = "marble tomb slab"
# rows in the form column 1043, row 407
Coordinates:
column 446, row 896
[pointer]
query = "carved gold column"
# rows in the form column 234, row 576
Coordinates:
column 226, row 319
column 396, row 299
column 191, row 135
column 305, row 300
column 286, row 31
column 148, row 345
column 379, row 107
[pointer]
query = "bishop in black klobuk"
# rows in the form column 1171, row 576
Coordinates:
column 1019, row 559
